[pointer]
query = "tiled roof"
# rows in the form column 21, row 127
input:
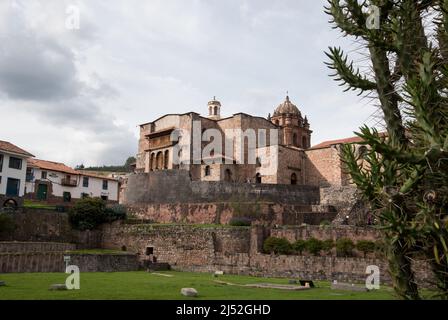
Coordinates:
column 51, row 166
column 329, row 143
column 94, row 175
column 9, row 147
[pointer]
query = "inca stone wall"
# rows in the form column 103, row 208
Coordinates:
column 177, row 187
column 222, row 213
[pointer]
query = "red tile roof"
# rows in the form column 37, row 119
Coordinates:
column 51, row 166
column 329, row 143
column 9, row 147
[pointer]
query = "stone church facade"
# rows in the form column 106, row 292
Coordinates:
column 284, row 138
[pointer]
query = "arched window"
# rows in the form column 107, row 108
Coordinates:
column 294, row 179
column 304, row 143
column 295, row 141
column 258, row 178
column 277, row 122
column 207, row 171
column 166, row 159
column 216, row 111
column 228, row 175
column 159, row 161
column 152, row 162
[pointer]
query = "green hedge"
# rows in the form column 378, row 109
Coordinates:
column 89, row 213
column 277, row 246
column 365, row 246
column 6, row 223
column 344, row 247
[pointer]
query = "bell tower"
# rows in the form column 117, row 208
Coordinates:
column 214, row 109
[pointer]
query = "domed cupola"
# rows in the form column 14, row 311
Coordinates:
column 287, row 107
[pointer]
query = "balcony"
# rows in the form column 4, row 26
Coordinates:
column 69, row 182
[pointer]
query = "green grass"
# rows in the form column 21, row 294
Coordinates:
column 147, row 286
column 37, row 205
column 96, row 251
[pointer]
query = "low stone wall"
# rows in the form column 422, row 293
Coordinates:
column 238, row 251
column 32, row 262
column 105, row 262
column 28, row 247
column 293, row 234
column 54, row 262
column 222, row 213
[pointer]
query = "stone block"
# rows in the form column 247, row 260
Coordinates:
column 58, row 287
column 347, row 287
column 189, row 292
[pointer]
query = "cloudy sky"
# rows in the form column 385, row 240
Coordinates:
column 77, row 96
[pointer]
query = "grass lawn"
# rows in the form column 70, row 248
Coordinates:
column 148, row 286
column 37, row 205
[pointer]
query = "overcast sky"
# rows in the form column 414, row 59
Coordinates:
column 77, row 96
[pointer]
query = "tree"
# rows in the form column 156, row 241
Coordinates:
column 403, row 174
column 129, row 162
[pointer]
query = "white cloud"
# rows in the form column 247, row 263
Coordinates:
column 80, row 94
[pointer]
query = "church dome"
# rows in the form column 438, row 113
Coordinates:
column 287, row 107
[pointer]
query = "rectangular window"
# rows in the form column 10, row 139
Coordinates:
column 1, row 162
column 15, row 163
column 105, row 198
column 13, row 187
column 105, row 184
column 29, row 174
column 84, row 195
column 67, row 196
column 85, row 182
column 44, row 175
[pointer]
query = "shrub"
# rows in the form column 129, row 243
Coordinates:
column 240, row 222
column 365, row 246
column 115, row 212
column 6, row 223
column 277, row 246
column 325, row 223
column 313, row 246
column 344, row 247
column 299, row 246
column 89, row 213
column 327, row 245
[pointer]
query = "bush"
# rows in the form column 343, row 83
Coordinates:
column 6, row 223
column 313, row 246
column 365, row 246
column 344, row 247
column 115, row 212
column 299, row 246
column 327, row 245
column 277, row 246
column 89, row 213
column 240, row 222
column 325, row 223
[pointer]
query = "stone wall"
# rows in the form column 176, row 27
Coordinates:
column 176, row 187
column 222, row 213
column 238, row 251
column 20, row 247
column 293, row 234
column 105, row 262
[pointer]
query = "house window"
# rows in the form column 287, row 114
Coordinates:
column 29, row 175
column 13, row 187
column 105, row 184
column 44, row 175
column 85, row 182
column 105, row 198
column 207, row 171
column 67, row 196
column 15, row 163
column 1, row 162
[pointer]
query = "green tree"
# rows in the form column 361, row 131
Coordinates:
column 403, row 175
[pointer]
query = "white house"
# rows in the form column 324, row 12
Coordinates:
column 13, row 164
column 53, row 181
